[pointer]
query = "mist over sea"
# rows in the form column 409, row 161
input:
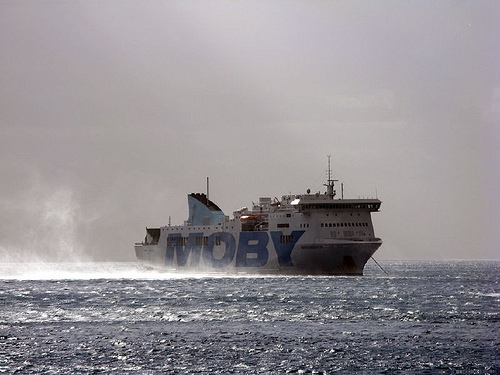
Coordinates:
column 434, row 317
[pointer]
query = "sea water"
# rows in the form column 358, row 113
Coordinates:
column 430, row 317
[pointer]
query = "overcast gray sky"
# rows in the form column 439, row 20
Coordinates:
column 111, row 112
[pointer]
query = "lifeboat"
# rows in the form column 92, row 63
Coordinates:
column 250, row 218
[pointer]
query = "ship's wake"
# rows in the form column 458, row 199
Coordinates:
column 84, row 271
column 101, row 270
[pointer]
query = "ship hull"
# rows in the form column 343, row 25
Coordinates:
column 329, row 258
column 334, row 259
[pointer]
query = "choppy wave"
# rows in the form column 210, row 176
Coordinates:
column 108, row 317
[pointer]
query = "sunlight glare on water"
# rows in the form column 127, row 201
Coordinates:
column 119, row 317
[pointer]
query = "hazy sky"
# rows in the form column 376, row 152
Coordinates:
column 111, row 112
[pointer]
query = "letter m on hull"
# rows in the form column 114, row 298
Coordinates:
column 176, row 245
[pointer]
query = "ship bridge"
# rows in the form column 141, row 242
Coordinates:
column 309, row 203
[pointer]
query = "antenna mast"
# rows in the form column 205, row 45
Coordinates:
column 329, row 169
column 330, row 183
column 208, row 191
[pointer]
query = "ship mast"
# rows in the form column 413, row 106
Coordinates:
column 208, row 190
column 330, row 182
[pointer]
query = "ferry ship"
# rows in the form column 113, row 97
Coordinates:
column 304, row 234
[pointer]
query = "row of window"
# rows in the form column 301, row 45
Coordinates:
column 203, row 241
column 199, row 241
column 189, row 227
column 287, row 215
column 330, row 225
column 342, row 206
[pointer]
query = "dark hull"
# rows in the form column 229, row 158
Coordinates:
column 337, row 259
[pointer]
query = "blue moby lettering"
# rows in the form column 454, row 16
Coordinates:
column 259, row 248
column 284, row 248
column 227, row 258
column 252, row 249
column 193, row 246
